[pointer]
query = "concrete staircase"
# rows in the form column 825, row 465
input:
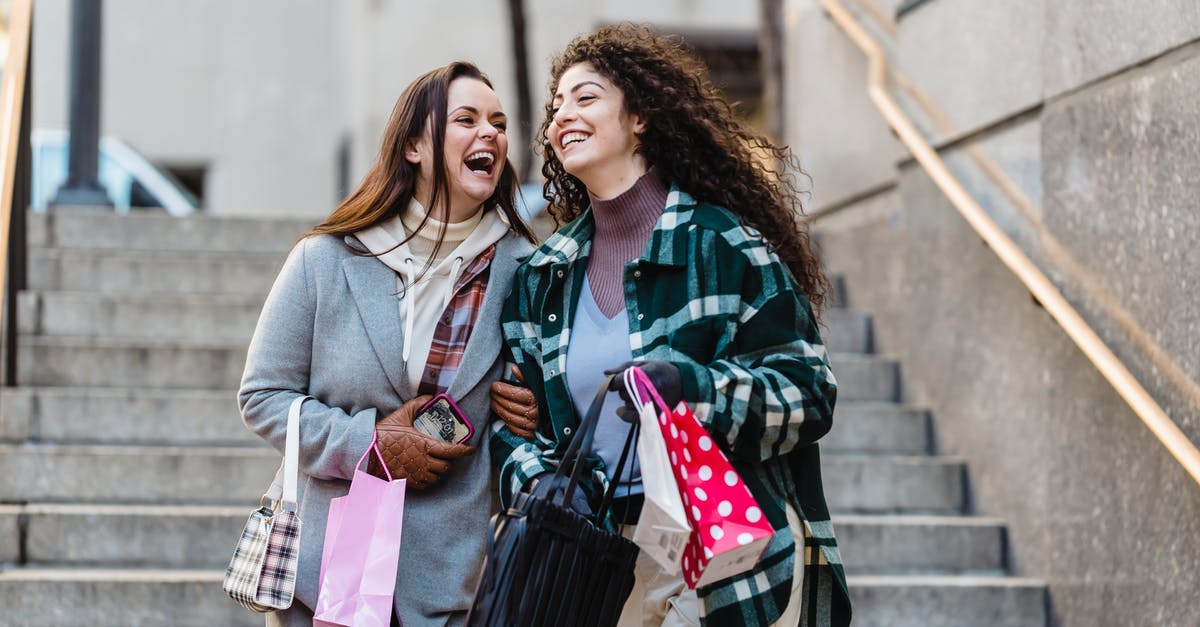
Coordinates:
column 914, row 556
column 126, row 473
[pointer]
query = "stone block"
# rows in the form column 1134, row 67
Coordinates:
column 917, row 601
column 102, row 229
column 57, row 361
column 33, row 597
column 846, row 331
column 1088, row 39
column 899, row 484
column 908, row 545
column 865, row 378
column 878, row 428
column 978, row 61
column 213, row 317
column 135, row 474
column 139, row 416
column 17, row 409
column 10, row 534
column 148, row 536
column 840, row 138
column 145, row 272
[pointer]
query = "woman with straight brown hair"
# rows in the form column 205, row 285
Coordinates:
column 395, row 297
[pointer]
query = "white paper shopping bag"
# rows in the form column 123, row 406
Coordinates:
column 663, row 529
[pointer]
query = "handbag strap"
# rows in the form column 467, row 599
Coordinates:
column 582, row 446
column 283, row 488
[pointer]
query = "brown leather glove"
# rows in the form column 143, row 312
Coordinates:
column 515, row 405
column 410, row 454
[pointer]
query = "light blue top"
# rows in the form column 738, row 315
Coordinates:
column 599, row 343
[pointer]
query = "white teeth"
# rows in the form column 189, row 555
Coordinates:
column 488, row 157
column 571, row 138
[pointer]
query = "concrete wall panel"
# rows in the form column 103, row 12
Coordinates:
column 1087, row 39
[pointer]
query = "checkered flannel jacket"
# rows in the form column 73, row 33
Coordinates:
column 708, row 296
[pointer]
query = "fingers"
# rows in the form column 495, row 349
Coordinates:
column 447, row 450
column 517, row 373
column 517, row 393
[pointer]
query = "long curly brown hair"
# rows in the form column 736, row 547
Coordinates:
column 693, row 139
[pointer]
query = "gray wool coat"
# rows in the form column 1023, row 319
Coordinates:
column 330, row 329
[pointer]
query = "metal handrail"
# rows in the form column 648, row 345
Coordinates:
column 14, row 122
column 1140, row 401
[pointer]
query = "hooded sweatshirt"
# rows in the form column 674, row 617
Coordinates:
column 423, row 299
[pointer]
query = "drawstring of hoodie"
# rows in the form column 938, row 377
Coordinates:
column 410, row 297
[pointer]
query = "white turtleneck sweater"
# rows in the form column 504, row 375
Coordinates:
column 422, row 301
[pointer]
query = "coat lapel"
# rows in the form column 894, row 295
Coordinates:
column 484, row 343
column 374, row 287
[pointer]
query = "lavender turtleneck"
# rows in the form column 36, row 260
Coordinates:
column 623, row 226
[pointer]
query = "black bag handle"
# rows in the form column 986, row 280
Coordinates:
column 581, row 446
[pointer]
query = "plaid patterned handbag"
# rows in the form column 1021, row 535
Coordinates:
column 262, row 574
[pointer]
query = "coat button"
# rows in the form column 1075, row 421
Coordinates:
column 637, row 274
column 552, row 317
column 566, row 430
column 559, row 274
column 640, row 316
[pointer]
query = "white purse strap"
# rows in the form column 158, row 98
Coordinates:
column 283, row 488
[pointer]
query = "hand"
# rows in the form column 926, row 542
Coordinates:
column 515, row 405
column 665, row 377
column 410, row 454
column 540, row 487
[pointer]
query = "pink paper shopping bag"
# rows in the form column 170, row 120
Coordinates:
column 729, row 531
column 362, row 550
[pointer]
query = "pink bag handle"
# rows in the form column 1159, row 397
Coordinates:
column 645, row 386
column 374, row 447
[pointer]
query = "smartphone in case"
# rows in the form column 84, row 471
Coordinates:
column 441, row 418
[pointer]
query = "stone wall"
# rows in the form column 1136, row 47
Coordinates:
column 1075, row 126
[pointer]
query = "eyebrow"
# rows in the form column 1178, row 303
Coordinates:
column 581, row 85
column 474, row 111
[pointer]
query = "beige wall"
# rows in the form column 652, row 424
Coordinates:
column 263, row 93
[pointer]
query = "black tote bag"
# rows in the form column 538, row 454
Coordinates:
column 548, row 565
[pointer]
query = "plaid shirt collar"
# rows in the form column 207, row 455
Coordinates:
column 574, row 241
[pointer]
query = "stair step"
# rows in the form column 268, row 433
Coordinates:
column 152, row 272
column 90, row 228
column 105, row 362
column 215, row 317
column 144, row 536
column 81, row 415
column 10, row 534
column 894, row 484
column 893, row 545
column 135, row 474
column 847, row 331
column 866, row 377
column 50, row 597
column 878, row 428
column 947, row 601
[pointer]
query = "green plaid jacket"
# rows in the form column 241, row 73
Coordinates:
column 708, row 296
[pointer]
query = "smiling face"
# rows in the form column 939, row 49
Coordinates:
column 475, row 149
column 592, row 134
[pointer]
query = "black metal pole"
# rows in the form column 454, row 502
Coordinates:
column 17, row 267
column 516, row 18
column 83, row 184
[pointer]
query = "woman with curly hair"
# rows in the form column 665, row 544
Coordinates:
column 682, row 253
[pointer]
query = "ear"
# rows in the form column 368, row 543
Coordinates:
column 411, row 154
column 639, row 124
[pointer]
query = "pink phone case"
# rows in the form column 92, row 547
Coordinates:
column 441, row 418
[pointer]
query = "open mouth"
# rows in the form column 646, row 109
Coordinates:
column 481, row 162
column 573, row 138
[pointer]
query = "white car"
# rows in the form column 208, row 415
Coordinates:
column 128, row 177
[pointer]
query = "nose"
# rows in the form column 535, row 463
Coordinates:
column 487, row 131
column 565, row 113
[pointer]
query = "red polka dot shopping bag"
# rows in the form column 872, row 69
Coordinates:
column 729, row 530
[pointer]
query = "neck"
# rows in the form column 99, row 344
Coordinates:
column 615, row 180
column 458, row 211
